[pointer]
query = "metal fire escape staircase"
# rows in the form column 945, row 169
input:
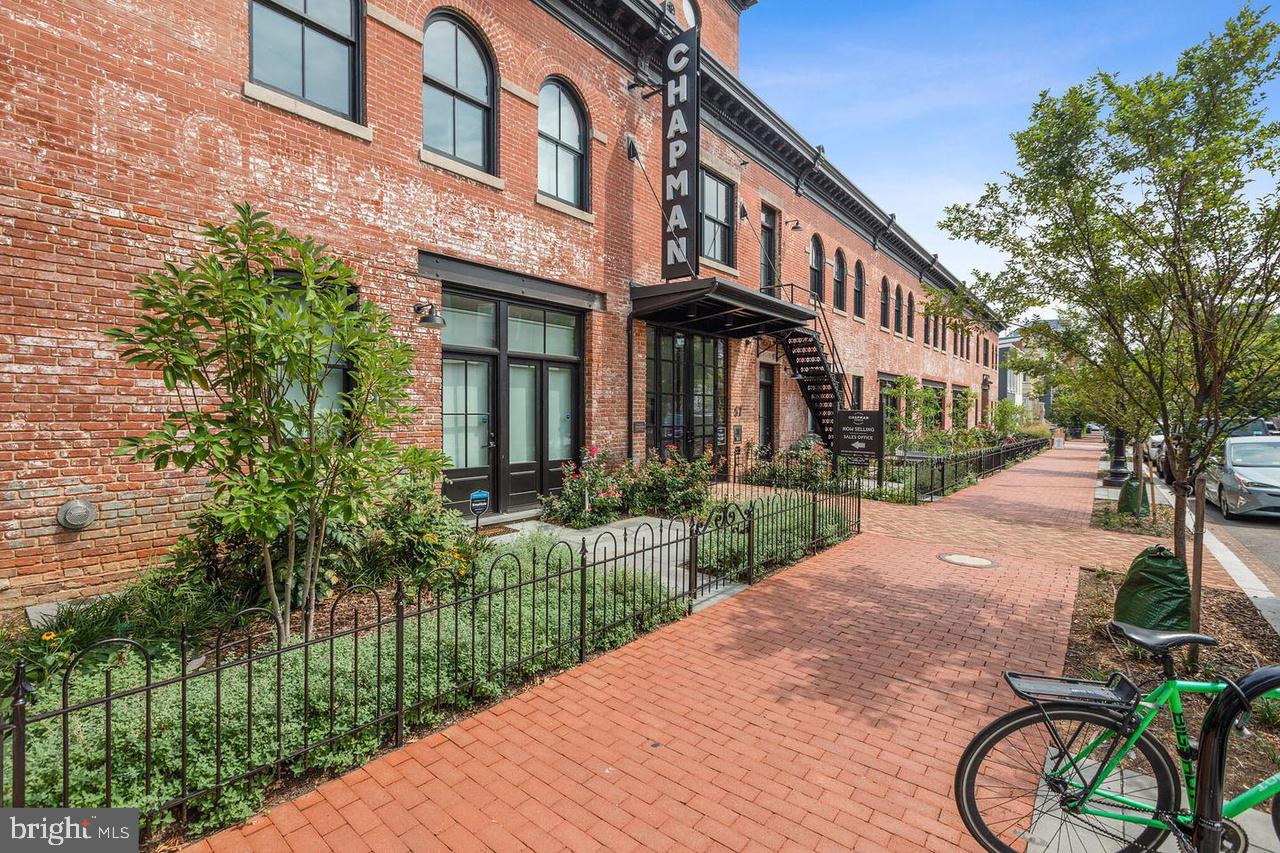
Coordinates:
column 815, row 362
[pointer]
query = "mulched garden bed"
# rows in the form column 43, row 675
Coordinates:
column 1106, row 517
column 1246, row 641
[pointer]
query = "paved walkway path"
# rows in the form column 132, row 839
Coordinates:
column 823, row 709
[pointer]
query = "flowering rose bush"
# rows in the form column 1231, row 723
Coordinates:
column 598, row 490
column 592, row 493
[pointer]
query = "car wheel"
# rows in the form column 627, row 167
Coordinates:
column 1222, row 505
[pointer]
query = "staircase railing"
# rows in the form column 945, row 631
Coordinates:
column 787, row 293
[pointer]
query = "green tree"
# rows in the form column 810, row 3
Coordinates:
column 254, row 341
column 1149, row 210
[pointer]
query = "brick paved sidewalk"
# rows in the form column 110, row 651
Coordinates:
column 823, row 709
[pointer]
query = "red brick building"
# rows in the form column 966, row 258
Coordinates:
column 498, row 159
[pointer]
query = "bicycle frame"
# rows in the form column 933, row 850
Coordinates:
column 1169, row 694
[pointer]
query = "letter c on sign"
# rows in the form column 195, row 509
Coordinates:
column 678, row 58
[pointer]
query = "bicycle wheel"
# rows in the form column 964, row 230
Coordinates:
column 1014, row 789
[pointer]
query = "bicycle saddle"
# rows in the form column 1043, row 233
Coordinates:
column 1160, row 642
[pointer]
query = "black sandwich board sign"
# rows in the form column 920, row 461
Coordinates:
column 860, row 435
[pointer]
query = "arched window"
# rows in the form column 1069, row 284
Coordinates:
column 817, row 269
column 928, row 331
column 837, row 282
column 884, row 302
column 897, row 309
column 313, row 55
column 859, row 290
column 911, row 315
column 457, row 93
column 562, row 147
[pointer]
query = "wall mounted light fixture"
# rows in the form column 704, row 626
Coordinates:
column 429, row 316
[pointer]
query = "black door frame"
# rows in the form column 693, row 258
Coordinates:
column 772, row 421
column 720, row 416
column 499, row 389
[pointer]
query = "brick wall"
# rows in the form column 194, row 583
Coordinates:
column 125, row 124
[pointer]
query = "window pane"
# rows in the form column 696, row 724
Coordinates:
column 559, row 413
column 331, row 388
column 567, row 175
column 546, row 166
column 470, row 321
column 437, row 119
column 455, row 384
column 562, row 333
column 473, row 75
column 469, row 127
column 335, row 14
column 549, row 110
column 570, row 129
column 477, row 441
column 328, row 71
column 522, row 410
column 524, row 329
column 277, row 50
column 455, row 439
column 438, row 52
column 478, row 388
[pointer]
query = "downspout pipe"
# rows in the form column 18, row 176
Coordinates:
column 631, row 384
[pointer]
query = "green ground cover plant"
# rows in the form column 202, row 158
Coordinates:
column 486, row 636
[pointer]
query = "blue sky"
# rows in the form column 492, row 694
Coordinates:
column 915, row 101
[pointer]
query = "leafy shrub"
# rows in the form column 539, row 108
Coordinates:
column 471, row 645
column 671, row 486
column 804, row 465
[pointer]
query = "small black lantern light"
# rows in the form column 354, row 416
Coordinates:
column 429, row 316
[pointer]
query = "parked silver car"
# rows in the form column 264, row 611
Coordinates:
column 1246, row 479
column 1153, row 444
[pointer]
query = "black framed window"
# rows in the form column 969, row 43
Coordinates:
column 942, row 336
column 768, row 247
column 717, row 218
column 911, row 315
column 309, row 49
column 986, row 352
column 457, row 93
column 859, row 290
column 562, row 146
column 928, row 331
column 817, row 269
column 897, row 309
column 884, row 302
column 857, row 392
column 838, row 282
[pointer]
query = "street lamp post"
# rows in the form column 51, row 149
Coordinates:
column 1119, row 473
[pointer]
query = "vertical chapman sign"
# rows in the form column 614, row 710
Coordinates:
column 681, row 235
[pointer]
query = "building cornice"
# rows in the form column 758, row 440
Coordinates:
column 630, row 31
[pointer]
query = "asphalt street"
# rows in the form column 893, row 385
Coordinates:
column 1260, row 535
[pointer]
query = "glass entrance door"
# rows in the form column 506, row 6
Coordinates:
column 768, row 407
column 512, row 398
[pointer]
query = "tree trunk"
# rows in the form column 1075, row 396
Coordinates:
column 1151, row 484
column 1197, row 572
column 1179, row 520
column 282, row 623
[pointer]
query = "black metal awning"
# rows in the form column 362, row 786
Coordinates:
column 712, row 306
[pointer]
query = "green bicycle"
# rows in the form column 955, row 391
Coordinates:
column 1077, row 770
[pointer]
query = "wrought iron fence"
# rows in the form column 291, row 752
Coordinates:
column 193, row 731
column 900, row 479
